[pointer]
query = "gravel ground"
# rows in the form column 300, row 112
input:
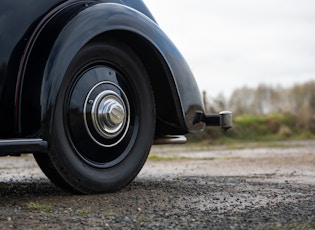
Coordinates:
column 178, row 188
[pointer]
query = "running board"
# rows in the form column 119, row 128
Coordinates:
column 168, row 139
column 15, row 147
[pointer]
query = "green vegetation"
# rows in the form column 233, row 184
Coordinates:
column 82, row 212
column 292, row 226
column 39, row 207
column 155, row 157
column 257, row 128
column 144, row 220
column 109, row 214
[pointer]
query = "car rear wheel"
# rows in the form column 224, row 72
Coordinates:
column 104, row 121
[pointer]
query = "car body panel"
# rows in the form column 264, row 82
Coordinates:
column 38, row 40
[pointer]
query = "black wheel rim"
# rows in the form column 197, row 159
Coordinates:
column 102, row 116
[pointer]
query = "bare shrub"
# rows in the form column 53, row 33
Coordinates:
column 285, row 131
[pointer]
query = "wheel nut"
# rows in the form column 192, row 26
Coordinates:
column 114, row 113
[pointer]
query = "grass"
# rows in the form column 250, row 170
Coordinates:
column 144, row 220
column 243, row 143
column 301, row 226
column 35, row 206
column 155, row 157
column 292, row 226
column 109, row 214
column 82, row 212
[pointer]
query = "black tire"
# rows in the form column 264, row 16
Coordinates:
column 104, row 121
column 46, row 165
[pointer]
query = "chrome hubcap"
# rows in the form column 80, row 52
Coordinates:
column 108, row 114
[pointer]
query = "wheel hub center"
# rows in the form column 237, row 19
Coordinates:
column 113, row 113
column 109, row 114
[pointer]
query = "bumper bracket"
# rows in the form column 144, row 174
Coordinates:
column 224, row 119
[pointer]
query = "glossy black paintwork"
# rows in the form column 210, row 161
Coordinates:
column 18, row 19
column 38, row 39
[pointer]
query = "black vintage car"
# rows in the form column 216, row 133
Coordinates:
column 87, row 86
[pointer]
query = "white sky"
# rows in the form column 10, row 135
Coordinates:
column 229, row 44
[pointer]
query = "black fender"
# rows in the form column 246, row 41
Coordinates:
column 111, row 18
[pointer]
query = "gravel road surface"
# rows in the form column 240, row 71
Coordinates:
column 180, row 187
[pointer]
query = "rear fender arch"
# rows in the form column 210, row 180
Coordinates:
column 106, row 18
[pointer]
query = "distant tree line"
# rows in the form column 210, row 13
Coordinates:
column 297, row 101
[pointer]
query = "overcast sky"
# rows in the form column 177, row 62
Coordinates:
column 229, row 44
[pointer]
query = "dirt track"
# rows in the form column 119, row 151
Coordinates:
column 252, row 188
